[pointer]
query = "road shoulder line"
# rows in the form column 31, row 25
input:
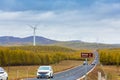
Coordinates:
column 87, row 73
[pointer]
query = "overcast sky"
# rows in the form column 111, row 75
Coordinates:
column 86, row 20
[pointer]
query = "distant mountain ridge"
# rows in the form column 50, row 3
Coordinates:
column 27, row 40
column 74, row 44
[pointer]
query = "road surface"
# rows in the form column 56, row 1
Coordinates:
column 75, row 73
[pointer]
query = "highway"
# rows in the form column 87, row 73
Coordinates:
column 73, row 74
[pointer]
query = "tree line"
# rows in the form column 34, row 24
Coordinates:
column 110, row 56
column 40, row 55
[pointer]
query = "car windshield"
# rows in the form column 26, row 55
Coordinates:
column 1, row 69
column 44, row 68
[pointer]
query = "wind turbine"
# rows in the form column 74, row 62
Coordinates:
column 34, row 33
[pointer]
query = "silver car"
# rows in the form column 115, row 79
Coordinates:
column 85, row 63
column 45, row 72
column 3, row 74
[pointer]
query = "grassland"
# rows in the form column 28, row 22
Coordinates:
column 23, row 61
column 112, row 72
column 26, row 59
column 94, row 74
column 20, row 60
column 110, row 61
column 17, row 72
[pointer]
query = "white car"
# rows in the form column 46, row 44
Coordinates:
column 85, row 63
column 45, row 72
column 3, row 74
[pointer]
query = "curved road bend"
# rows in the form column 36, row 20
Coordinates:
column 73, row 74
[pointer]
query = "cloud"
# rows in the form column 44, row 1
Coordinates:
column 25, row 15
column 106, row 8
column 101, row 20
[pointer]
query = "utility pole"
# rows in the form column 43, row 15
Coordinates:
column 86, row 56
column 86, row 68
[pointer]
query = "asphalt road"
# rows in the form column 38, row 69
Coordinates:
column 73, row 74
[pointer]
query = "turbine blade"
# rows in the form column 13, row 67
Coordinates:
column 31, row 26
column 36, row 26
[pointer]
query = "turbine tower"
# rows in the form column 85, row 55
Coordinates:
column 34, row 34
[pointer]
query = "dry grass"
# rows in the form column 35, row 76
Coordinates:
column 113, row 72
column 94, row 74
column 17, row 72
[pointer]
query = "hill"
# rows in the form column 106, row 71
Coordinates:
column 9, row 40
column 85, row 45
column 75, row 44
